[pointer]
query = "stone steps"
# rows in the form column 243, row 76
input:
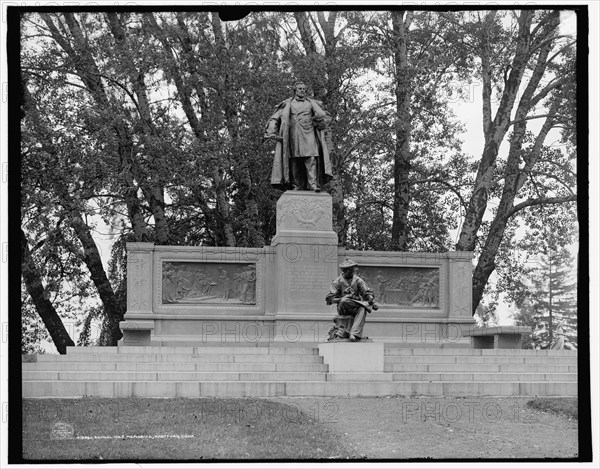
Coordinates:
column 422, row 388
column 69, row 389
column 271, row 370
column 121, row 376
column 392, row 349
column 175, row 367
column 480, row 367
column 209, row 349
column 283, row 367
column 183, row 358
column 506, row 376
column 236, row 341
column 172, row 376
column 505, row 360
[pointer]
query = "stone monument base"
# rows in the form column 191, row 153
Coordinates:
column 362, row 340
column 193, row 295
column 350, row 357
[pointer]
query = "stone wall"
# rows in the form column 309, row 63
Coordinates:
column 277, row 293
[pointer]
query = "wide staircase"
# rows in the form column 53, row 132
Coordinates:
column 283, row 369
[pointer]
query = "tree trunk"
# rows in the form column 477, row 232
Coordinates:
column 255, row 237
column 494, row 130
column 513, row 181
column 151, row 186
column 91, row 256
column 35, row 288
column 306, row 36
column 227, row 235
column 222, row 214
column 339, row 209
column 130, row 191
column 514, row 177
column 402, row 159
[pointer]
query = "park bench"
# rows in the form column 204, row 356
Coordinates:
column 497, row 337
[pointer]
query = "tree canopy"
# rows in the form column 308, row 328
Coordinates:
column 152, row 123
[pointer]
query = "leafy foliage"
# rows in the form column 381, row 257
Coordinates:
column 33, row 333
column 149, row 125
column 546, row 295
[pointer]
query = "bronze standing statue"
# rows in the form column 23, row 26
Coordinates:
column 301, row 157
column 353, row 298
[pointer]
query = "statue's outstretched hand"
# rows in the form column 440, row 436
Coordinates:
column 273, row 137
column 320, row 124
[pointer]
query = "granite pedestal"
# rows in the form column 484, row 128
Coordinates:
column 187, row 295
column 353, row 357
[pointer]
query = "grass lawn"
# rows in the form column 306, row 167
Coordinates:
column 566, row 406
column 174, row 429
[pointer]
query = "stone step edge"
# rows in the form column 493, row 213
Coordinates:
column 187, row 366
column 432, row 352
column 478, row 373
column 375, row 377
column 189, row 372
column 479, row 363
column 389, row 349
column 320, row 383
column 189, row 352
column 133, row 374
column 388, row 367
column 467, row 370
column 315, row 359
column 179, row 389
column 219, row 353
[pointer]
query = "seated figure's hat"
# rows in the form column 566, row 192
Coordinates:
column 347, row 264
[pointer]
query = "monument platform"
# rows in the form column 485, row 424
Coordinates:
column 280, row 369
column 355, row 357
column 195, row 295
column 222, row 321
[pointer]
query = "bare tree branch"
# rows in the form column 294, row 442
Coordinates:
column 542, row 201
column 447, row 184
column 320, row 13
column 556, row 178
column 553, row 84
column 551, row 39
column 561, row 50
column 541, row 116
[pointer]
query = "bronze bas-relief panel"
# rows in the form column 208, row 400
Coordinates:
column 201, row 283
column 411, row 287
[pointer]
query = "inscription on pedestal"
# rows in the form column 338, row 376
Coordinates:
column 307, row 252
column 306, row 282
column 138, row 272
column 460, row 288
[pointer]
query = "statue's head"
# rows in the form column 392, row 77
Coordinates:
column 348, row 267
column 300, row 89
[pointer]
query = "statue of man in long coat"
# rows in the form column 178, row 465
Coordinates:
column 301, row 156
